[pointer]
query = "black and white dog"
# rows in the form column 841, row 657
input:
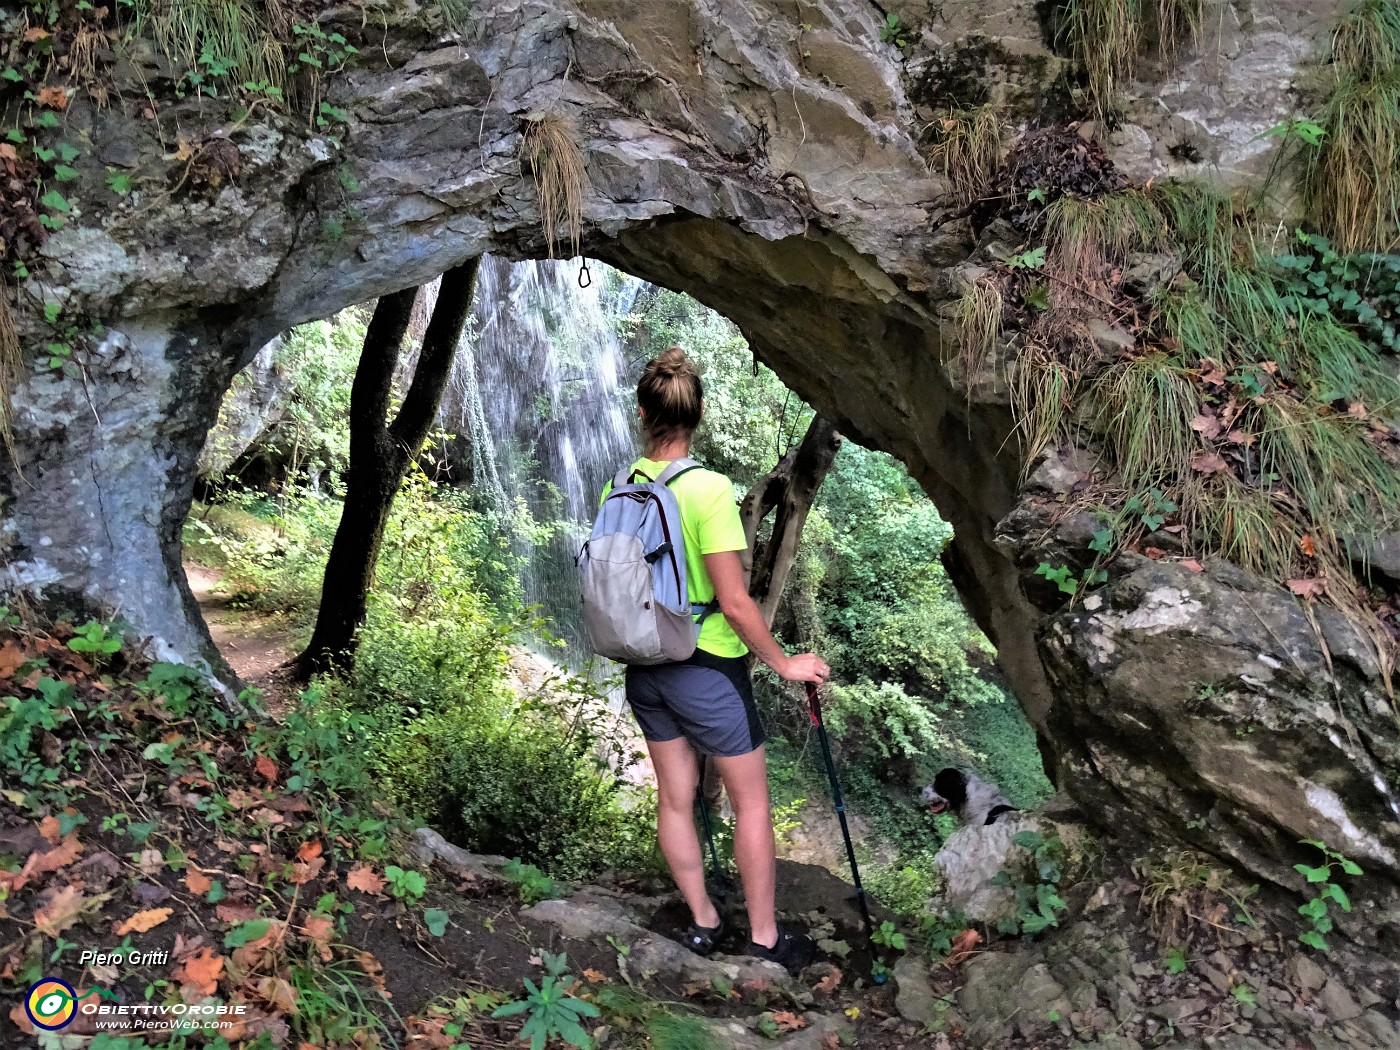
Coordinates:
column 973, row 799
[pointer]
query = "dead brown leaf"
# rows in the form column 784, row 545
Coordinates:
column 11, row 655
column 789, row 1021
column 143, row 921
column 266, row 768
column 200, row 973
column 365, row 880
column 197, row 882
column 279, row 992
column 829, row 983
column 48, row 827
column 59, row 857
column 60, row 912
column 593, row 976
column 1208, row 463
column 1308, row 588
column 53, row 97
column 318, row 930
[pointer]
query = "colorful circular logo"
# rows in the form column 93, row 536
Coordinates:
column 51, row 1003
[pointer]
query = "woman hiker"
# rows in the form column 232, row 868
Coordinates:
column 704, row 705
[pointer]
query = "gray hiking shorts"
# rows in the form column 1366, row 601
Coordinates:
column 707, row 699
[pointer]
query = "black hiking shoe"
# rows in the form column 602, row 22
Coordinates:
column 792, row 951
column 703, row 939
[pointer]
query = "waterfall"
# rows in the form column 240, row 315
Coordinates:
column 539, row 394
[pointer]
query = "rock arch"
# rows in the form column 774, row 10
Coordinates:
column 759, row 157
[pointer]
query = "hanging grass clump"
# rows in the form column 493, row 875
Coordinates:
column 1223, row 410
column 1351, row 178
column 549, row 150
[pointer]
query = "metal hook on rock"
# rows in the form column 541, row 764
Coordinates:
column 584, row 277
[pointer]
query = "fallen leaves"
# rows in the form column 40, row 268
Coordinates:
column 318, row 930
column 197, row 882
column 593, row 976
column 53, row 97
column 199, row 974
column 789, row 1021
column 963, row 945
column 1312, row 587
column 266, row 768
column 144, row 921
column 365, row 880
column 1208, row 463
column 61, row 911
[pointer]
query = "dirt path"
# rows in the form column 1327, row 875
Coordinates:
column 255, row 646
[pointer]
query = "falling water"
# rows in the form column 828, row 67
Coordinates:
column 538, row 392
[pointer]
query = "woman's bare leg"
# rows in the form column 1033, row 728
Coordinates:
column 677, row 774
column 755, row 850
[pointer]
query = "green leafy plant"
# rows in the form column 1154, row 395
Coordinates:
column 94, row 638
column 1037, row 904
column 532, row 884
column 1316, row 910
column 406, row 885
column 1362, row 290
column 1066, row 581
column 1175, row 961
column 893, row 31
column 1032, row 259
column 1306, row 131
column 553, row 1013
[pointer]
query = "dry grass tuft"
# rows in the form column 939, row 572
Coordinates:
column 1351, row 181
column 549, row 148
column 979, row 318
column 1104, row 37
column 969, row 147
column 11, row 368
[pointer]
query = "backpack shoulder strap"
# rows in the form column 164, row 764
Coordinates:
column 624, row 476
column 675, row 469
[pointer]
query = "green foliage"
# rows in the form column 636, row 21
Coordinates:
column 1316, row 909
column 1360, row 290
column 94, row 639
column 532, row 884
column 886, row 935
column 553, row 1013
column 408, row 886
column 1032, row 259
column 662, row 1025
column 1067, row 581
column 1034, row 883
column 893, row 31
column 1175, row 961
column 209, row 43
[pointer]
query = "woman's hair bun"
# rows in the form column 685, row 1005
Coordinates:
column 673, row 362
column 670, row 394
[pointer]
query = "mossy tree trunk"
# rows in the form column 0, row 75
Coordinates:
column 380, row 452
column 787, row 491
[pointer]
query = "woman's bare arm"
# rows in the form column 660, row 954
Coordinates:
column 744, row 615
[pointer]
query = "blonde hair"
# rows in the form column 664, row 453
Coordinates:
column 670, row 395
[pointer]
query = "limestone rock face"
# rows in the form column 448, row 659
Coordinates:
column 761, row 156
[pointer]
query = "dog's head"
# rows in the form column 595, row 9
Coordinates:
column 948, row 791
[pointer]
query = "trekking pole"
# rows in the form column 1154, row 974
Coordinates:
column 815, row 709
column 715, row 874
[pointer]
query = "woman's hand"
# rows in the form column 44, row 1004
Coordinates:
column 805, row 667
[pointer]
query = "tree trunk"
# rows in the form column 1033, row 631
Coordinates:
column 789, row 490
column 380, row 453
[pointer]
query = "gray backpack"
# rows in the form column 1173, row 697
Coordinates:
column 636, row 608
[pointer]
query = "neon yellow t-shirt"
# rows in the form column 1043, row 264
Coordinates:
column 710, row 524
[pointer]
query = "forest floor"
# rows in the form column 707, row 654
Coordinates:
column 136, row 815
